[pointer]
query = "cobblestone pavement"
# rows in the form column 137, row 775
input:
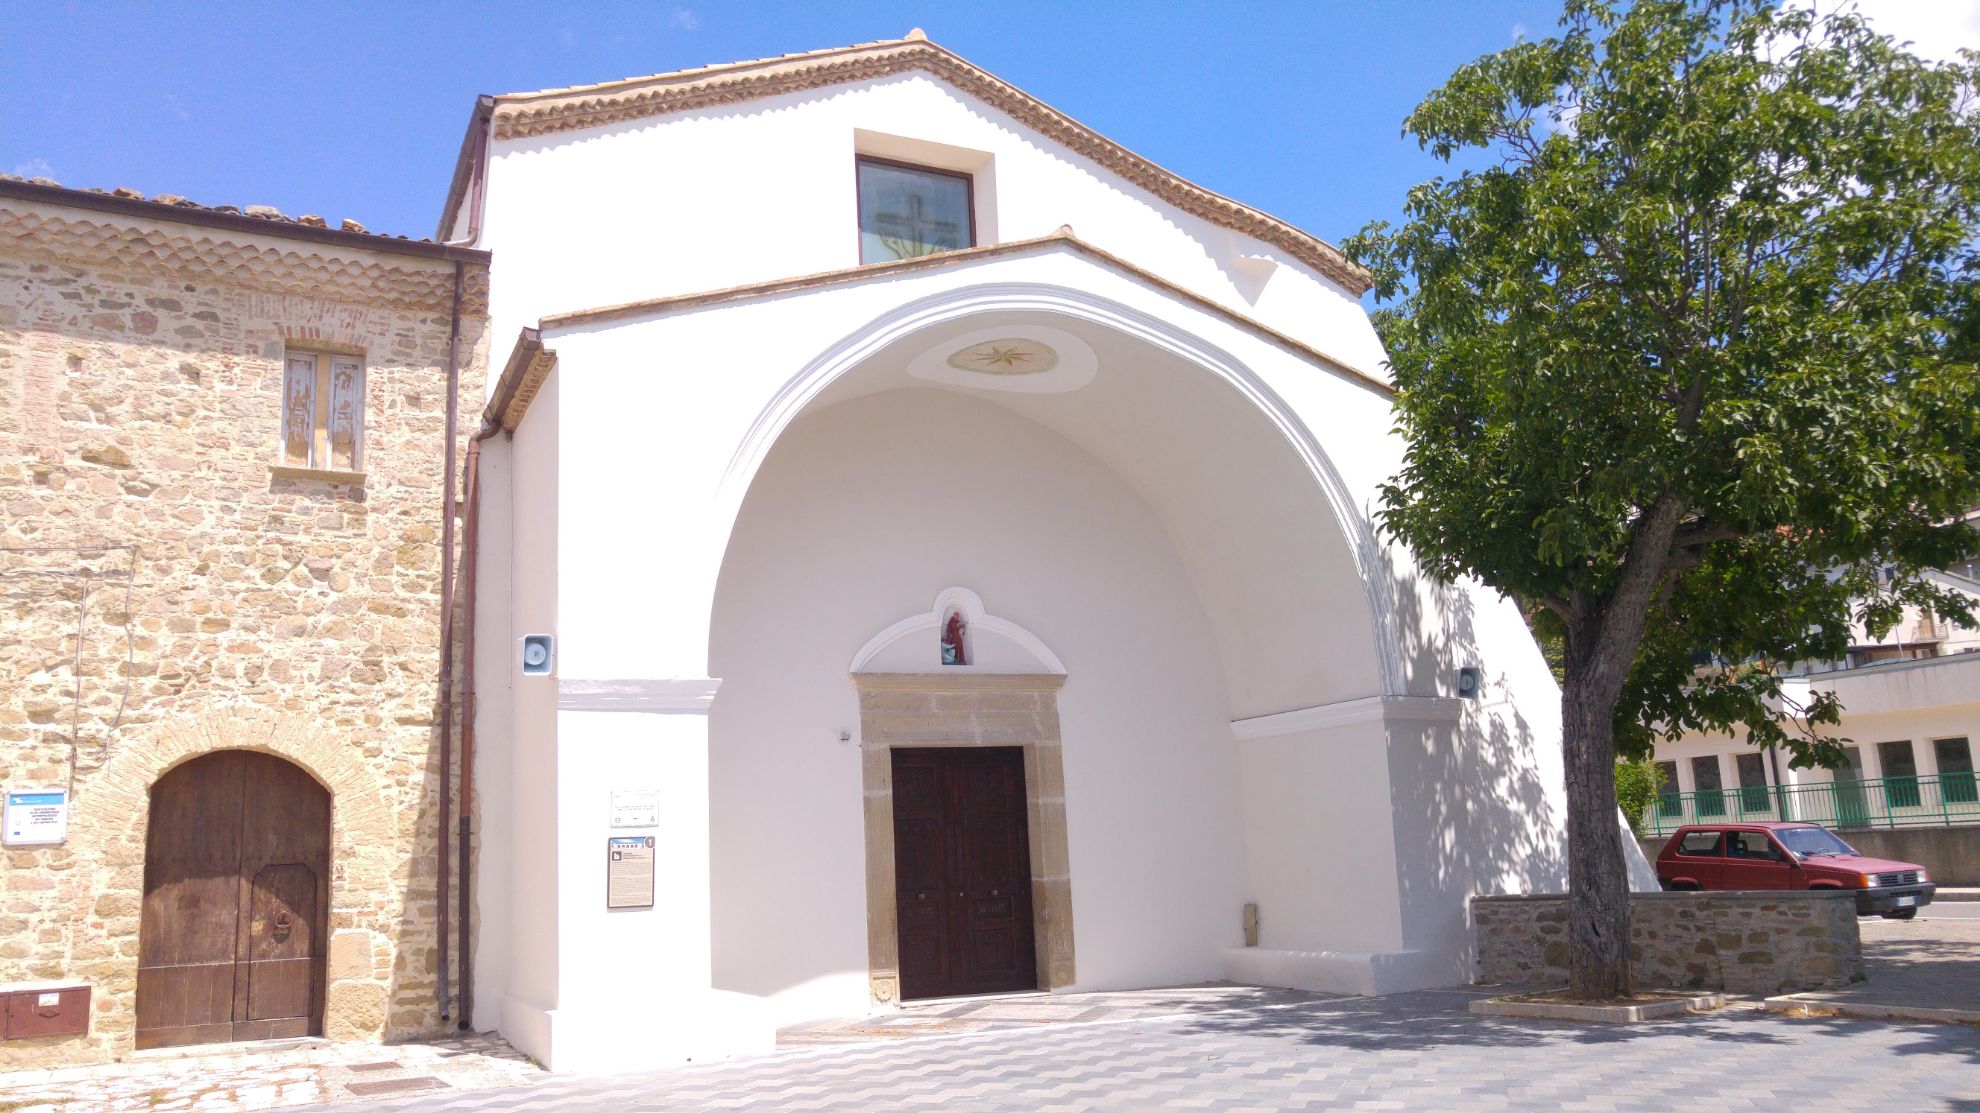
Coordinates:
column 1916, row 964
column 243, row 1078
column 1408, row 1051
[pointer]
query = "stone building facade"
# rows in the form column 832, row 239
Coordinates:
column 172, row 584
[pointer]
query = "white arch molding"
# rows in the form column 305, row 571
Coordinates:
column 927, row 626
column 863, row 343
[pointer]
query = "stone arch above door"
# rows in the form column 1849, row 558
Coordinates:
column 364, row 828
column 233, row 938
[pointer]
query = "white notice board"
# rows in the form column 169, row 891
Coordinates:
column 636, row 808
column 39, row 818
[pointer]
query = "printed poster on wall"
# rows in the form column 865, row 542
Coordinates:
column 629, row 872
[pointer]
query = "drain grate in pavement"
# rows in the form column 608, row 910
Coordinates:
column 388, row 1064
column 395, row 1085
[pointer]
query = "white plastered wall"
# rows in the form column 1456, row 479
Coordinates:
column 494, row 714
column 763, row 190
column 517, row 956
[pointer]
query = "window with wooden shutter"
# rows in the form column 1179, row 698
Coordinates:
column 323, row 411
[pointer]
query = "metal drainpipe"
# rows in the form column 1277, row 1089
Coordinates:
column 470, row 562
column 485, row 121
column 447, row 630
column 484, row 108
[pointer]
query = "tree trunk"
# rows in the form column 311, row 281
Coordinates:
column 1602, row 639
column 1598, row 882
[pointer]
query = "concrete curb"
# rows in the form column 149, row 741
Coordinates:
column 1805, row 1006
column 1601, row 1014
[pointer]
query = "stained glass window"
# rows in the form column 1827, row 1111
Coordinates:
column 323, row 411
column 909, row 211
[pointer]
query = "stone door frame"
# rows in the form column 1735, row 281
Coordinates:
column 966, row 709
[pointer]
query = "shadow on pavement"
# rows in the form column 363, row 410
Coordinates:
column 1426, row 1020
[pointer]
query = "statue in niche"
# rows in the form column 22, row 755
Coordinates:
column 953, row 651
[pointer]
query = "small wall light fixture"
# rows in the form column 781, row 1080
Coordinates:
column 539, row 653
column 1469, row 680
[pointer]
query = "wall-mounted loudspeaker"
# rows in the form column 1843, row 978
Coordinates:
column 538, row 654
column 1469, row 680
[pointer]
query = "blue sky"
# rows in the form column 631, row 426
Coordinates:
column 356, row 109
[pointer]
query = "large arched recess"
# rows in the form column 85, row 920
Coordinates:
column 1279, row 548
column 1168, row 528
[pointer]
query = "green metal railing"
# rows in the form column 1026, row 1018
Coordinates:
column 1845, row 805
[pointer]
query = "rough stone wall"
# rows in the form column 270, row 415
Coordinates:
column 1772, row 942
column 164, row 594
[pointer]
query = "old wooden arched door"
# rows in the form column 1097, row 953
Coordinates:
column 236, row 892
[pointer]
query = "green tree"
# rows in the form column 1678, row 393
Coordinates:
column 1685, row 364
column 1638, row 780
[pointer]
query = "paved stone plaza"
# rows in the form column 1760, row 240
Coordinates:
column 1203, row 1047
column 1929, row 967
column 1411, row 1051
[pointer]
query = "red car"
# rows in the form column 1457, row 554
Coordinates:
column 1790, row 856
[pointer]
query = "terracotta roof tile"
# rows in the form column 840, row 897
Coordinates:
column 704, row 71
column 259, row 212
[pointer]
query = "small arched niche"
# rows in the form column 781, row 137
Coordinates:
column 956, row 635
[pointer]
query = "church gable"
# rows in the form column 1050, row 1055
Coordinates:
column 537, row 115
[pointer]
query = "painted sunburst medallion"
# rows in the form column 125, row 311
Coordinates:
column 1011, row 356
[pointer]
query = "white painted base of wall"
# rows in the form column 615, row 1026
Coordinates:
column 640, row 1035
column 1358, row 972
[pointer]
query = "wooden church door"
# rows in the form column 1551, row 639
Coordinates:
column 236, row 899
column 962, row 866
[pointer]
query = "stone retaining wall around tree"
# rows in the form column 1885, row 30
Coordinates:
column 1765, row 943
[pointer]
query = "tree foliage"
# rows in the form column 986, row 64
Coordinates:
column 1726, row 260
column 1637, row 784
column 1685, row 364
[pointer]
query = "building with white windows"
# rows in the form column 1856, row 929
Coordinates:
column 1911, row 713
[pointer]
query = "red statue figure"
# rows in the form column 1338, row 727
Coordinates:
column 953, row 652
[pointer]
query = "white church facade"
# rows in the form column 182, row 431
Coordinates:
column 943, row 541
